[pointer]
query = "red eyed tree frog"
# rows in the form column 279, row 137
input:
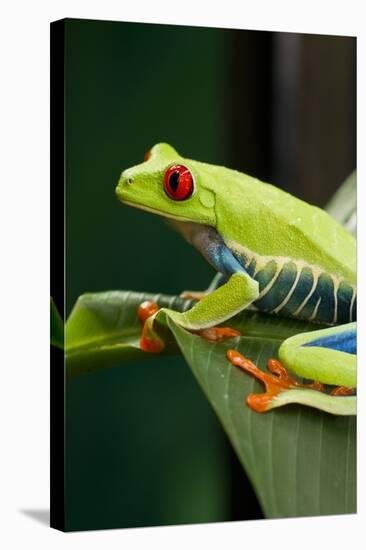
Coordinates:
column 272, row 252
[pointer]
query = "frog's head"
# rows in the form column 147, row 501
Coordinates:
column 168, row 185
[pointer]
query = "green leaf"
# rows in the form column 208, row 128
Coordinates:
column 343, row 205
column 57, row 327
column 103, row 330
column 301, row 462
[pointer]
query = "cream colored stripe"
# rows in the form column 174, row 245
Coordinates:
column 271, row 282
column 247, row 261
column 313, row 315
column 352, row 302
column 304, row 302
column 336, row 286
column 290, row 292
column 256, row 269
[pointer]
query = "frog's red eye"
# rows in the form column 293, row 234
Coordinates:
column 147, row 155
column 178, row 182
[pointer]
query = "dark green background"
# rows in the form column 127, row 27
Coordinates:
column 143, row 447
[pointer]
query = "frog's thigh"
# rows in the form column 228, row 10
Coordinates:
column 327, row 356
column 221, row 304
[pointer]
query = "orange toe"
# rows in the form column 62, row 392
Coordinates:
column 215, row 334
column 275, row 383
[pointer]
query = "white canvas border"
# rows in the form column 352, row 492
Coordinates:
column 24, row 218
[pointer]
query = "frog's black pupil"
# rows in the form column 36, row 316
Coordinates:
column 174, row 180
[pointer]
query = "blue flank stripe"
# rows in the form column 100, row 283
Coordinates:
column 266, row 274
column 340, row 341
column 274, row 296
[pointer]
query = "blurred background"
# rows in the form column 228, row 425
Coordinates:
column 143, row 446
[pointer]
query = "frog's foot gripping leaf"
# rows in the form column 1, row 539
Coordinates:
column 217, row 307
column 152, row 343
column 149, row 340
column 193, row 294
column 282, row 389
column 215, row 334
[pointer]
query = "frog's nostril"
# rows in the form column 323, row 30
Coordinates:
column 123, row 183
column 126, row 178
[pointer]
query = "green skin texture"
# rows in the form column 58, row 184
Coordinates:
column 297, row 231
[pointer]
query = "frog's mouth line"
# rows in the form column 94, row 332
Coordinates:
column 156, row 211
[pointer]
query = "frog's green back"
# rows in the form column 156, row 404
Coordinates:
column 271, row 222
column 245, row 211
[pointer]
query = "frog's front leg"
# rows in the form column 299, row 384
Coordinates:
column 327, row 356
column 215, row 308
column 221, row 304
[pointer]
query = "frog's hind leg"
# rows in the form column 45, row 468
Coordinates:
column 328, row 356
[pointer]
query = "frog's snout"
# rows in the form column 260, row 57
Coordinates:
column 124, row 183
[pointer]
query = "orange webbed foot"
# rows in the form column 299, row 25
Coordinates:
column 275, row 383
